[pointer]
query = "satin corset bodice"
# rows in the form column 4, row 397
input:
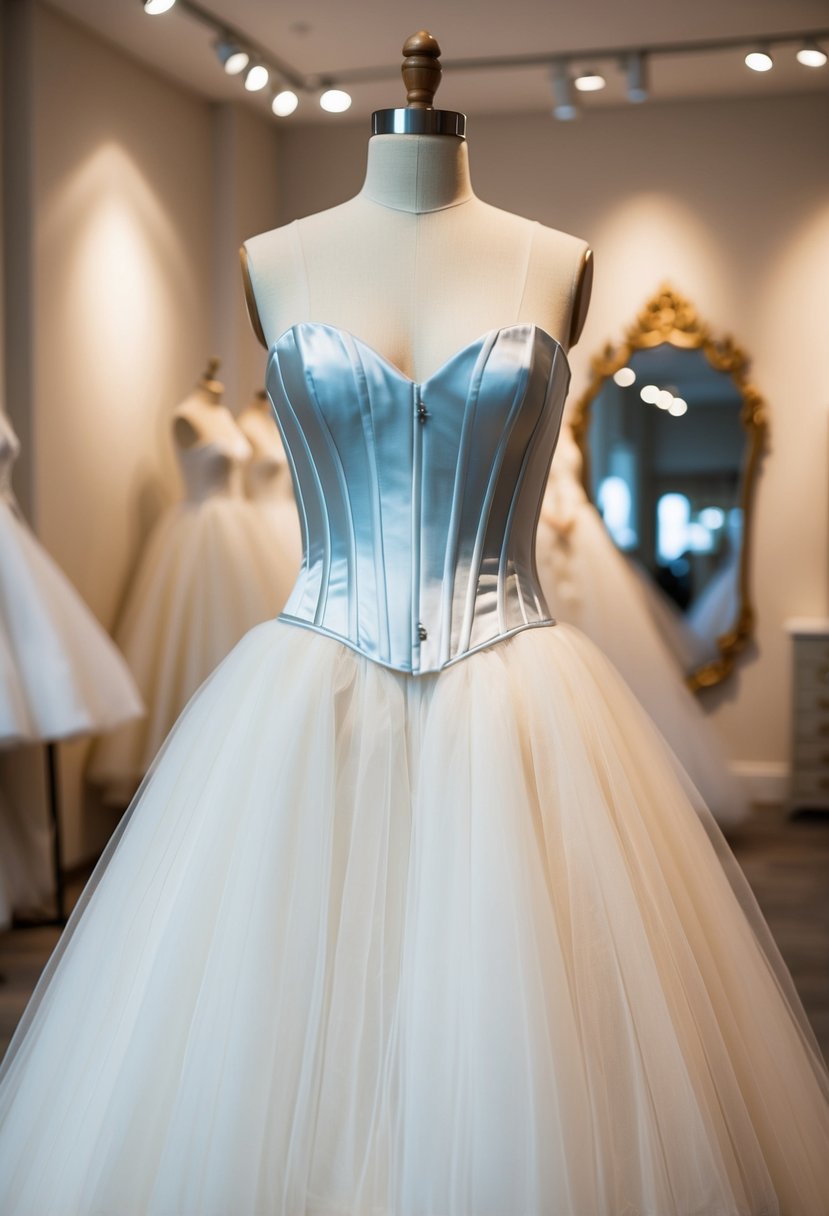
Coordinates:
column 418, row 502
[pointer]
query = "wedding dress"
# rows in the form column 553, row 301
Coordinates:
column 206, row 576
column 415, row 913
column 587, row 582
column 60, row 673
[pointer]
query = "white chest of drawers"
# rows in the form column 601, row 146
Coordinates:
column 809, row 789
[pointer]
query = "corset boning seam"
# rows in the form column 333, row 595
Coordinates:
column 299, row 493
column 458, row 493
column 378, row 547
column 351, row 554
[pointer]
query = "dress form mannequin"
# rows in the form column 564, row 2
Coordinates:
column 206, row 576
column 416, row 265
column 202, row 418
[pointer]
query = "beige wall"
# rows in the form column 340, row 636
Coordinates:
column 134, row 198
column 730, row 202
column 246, row 185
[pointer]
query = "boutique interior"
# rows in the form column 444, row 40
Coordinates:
column 147, row 510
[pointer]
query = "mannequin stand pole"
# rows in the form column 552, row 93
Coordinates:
column 53, row 796
column 53, row 790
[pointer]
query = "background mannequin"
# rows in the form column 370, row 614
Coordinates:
column 60, row 674
column 206, row 576
column 268, row 486
column 590, row 584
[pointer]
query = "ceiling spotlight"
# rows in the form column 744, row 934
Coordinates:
column 256, row 78
column 335, row 101
column 664, row 399
column 589, row 82
column 759, row 60
column 284, row 103
column 154, row 7
column 649, row 393
column 624, row 377
column 231, row 56
column 636, row 75
column 678, row 407
column 811, row 55
column 564, row 107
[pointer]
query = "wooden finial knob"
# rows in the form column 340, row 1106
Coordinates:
column 209, row 382
column 421, row 70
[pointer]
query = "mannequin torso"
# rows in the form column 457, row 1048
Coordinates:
column 211, row 448
column 415, row 264
column 201, row 418
column 267, row 470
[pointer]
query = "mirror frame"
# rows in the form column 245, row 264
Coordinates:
column 669, row 317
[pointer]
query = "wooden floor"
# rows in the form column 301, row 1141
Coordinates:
column 786, row 862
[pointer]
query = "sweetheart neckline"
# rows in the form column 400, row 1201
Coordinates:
column 490, row 333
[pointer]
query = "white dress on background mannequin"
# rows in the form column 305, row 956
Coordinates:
column 60, row 673
column 589, row 583
column 268, row 486
column 415, row 913
column 206, row 576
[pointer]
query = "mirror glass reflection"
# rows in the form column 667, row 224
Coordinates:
column 666, row 451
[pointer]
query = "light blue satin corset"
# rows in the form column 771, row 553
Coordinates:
column 419, row 502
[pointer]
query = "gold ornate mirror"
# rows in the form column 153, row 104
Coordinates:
column 672, row 433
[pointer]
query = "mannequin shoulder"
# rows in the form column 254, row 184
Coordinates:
column 561, row 272
column 195, row 423
column 274, row 270
column 187, row 427
column 271, row 271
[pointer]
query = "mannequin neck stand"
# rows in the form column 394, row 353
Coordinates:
column 417, row 173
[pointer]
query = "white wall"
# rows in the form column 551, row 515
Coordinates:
column 729, row 201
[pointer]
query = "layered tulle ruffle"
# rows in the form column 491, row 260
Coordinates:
column 458, row 945
column 60, row 674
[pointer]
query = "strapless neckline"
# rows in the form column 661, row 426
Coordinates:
column 487, row 336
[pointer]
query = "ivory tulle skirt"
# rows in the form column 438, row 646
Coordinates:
column 374, row 944
column 589, row 584
column 60, row 674
column 208, row 574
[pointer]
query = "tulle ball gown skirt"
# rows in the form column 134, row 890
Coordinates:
column 454, row 945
